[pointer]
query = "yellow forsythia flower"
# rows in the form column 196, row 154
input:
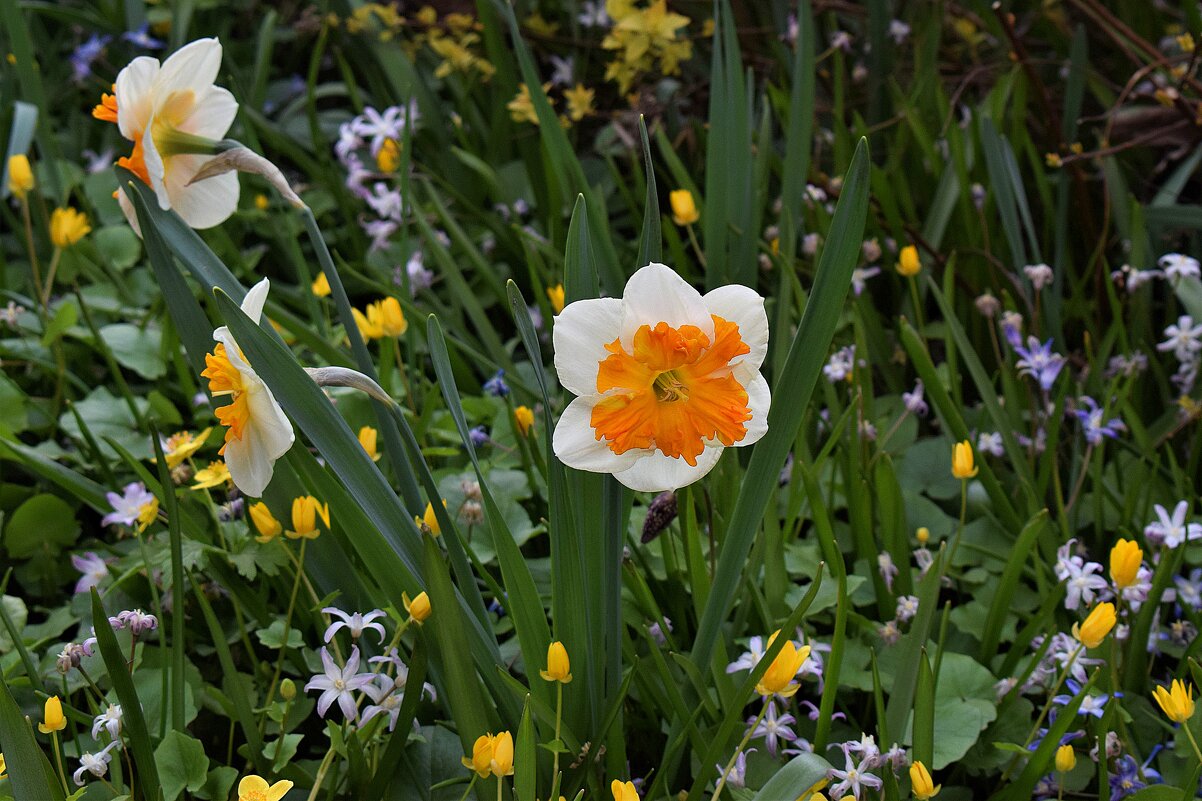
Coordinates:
column 305, row 511
column 1176, row 702
column 623, row 791
column 67, row 226
column 418, row 608
column 524, row 417
column 778, row 679
column 920, row 782
column 265, row 523
column 684, row 208
column 556, row 296
column 908, row 263
column 1097, row 625
column 1066, row 758
column 256, row 788
column 20, row 175
column 962, row 460
column 321, row 286
column 1125, row 560
column 559, row 668
column 367, row 438
column 52, row 716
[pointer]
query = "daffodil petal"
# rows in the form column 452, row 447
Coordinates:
column 576, row 444
column 212, row 117
column 133, row 95
column 744, row 307
column 759, row 400
column 582, row 330
column 192, row 68
column 256, row 297
column 657, row 294
column 654, row 472
column 203, row 204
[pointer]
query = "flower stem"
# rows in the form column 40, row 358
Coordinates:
column 279, row 665
column 58, row 762
column 735, row 756
column 326, row 761
column 1192, row 741
column 558, row 720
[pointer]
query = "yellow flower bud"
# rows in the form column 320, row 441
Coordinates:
column 261, row 202
column 305, row 511
column 67, row 226
column 920, row 782
column 684, row 209
column 52, row 716
column 367, row 438
column 778, row 679
column 287, row 689
column 559, row 668
column 502, row 755
column 1125, row 560
column 962, row 461
column 430, row 520
column 391, row 318
column 256, row 788
column 265, row 523
column 623, row 791
column 1097, row 625
column 481, row 758
column 555, row 295
column 923, row 535
column 1066, row 758
column 368, row 324
column 20, row 175
column 524, row 417
column 321, row 286
column 418, row 608
column 1177, row 703
column 908, row 263
column 389, row 157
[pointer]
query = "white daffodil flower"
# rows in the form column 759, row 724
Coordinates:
column 257, row 431
column 665, row 378
column 163, row 107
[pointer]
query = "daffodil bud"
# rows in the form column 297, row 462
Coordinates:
column 1097, row 625
column 243, row 159
column 305, row 511
column 265, row 523
column 684, row 208
column 481, row 758
column 502, row 755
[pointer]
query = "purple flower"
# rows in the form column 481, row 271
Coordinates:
column 496, row 385
column 356, row 624
column 860, row 276
column 1092, row 424
column 914, row 402
column 774, row 728
column 94, row 569
column 85, row 55
column 1172, row 530
column 128, row 507
column 339, row 684
column 142, row 38
column 1039, row 362
column 737, row 778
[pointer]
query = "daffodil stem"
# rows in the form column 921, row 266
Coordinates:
column 1192, row 741
column 959, row 526
column 500, row 787
column 696, row 247
column 321, row 772
column 1072, row 498
column 58, row 762
column 279, row 665
column 735, row 756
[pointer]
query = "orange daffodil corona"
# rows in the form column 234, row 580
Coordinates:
column 257, row 431
column 665, row 378
column 166, row 110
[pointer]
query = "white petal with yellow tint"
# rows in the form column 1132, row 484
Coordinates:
column 192, row 68
column 255, row 299
column 213, row 114
column 744, row 307
column 655, row 472
column 656, row 294
column 203, row 204
column 135, row 96
column 581, row 332
column 575, row 442
column 267, row 437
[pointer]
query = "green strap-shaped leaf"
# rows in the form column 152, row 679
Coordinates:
column 651, row 240
column 29, row 773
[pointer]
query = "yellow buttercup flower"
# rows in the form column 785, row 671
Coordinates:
column 418, row 608
column 389, row 315
column 521, row 108
column 559, row 668
column 305, row 511
column 265, row 522
column 52, row 716
column 580, row 102
column 1177, row 702
column 481, row 758
column 369, row 329
column 389, row 156
column 214, row 475
column 1097, row 625
column 181, row 445
column 778, row 679
column 256, row 788
column 556, row 296
column 430, row 520
column 920, row 782
column 147, row 514
column 908, row 263
column 962, row 461
column 684, row 208
column 367, row 438
column 502, row 755
column 1066, row 758
column 1125, row 560
column 320, row 286
column 623, row 791
column 524, row 417
column 67, row 226
column 20, row 175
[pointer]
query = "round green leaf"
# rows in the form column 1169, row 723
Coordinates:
column 44, row 524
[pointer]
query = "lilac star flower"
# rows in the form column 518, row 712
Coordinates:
column 94, row 568
column 1172, row 530
column 339, row 684
column 419, row 277
column 496, row 385
column 1094, row 705
column 96, row 764
column 1184, row 339
column 737, row 778
column 1178, row 266
column 991, row 443
column 914, row 401
column 774, row 728
column 1189, row 590
column 860, row 276
column 142, row 38
column 1092, row 424
column 127, row 507
column 380, row 232
column 853, row 778
column 387, row 702
column 85, row 55
column 1039, row 362
column 356, row 624
column 385, row 202
column 109, row 720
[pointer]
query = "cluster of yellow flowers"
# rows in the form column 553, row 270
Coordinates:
column 579, row 99
column 305, row 512
column 455, row 40
column 642, row 38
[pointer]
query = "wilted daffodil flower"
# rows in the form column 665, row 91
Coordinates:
column 258, row 433
column 170, row 111
column 665, row 379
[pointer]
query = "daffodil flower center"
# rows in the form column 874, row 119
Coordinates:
column 674, row 391
column 225, row 379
